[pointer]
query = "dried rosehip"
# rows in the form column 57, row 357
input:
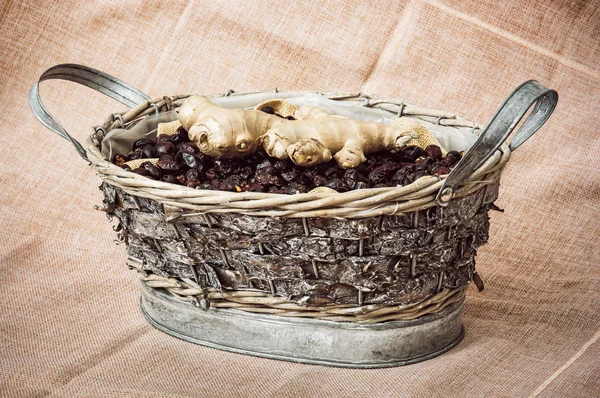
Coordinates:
column 204, row 185
column 254, row 187
column 142, row 142
column 411, row 152
column 352, row 177
column 268, row 109
column 281, row 165
column 290, row 176
column 319, row 180
column 192, row 174
column 188, row 160
column 454, row 154
column 154, row 171
column 170, row 179
column 244, row 172
column 181, row 179
column 148, row 152
column 165, row 148
column 163, row 138
column 401, row 176
column 210, row 174
column 337, row 184
column 423, row 163
column 169, row 166
column 263, row 163
column 142, row 171
column 225, row 167
column 434, row 152
column 183, row 134
column 190, row 147
column 442, row 170
column 449, row 161
column 137, row 154
column 192, row 183
column 119, row 160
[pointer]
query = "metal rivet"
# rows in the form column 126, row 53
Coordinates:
column 118, row 117
column 156, row 108
column 447, row 194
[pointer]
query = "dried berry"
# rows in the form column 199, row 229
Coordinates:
column 169, row 166
column 457, row 155
column 352, row 177
column 449, row 161
column 166, row 157
column 119, row 160
column 268, row 109
column 281, row 165
column 142, row 171
column 290, row 176
column 165, row 148
column 411, row 153
column 192, row 174
column 170, row 179
column 255, row 187
column 210, row 174
column 183, row 134
column 192, row 183
column 154, row 171
column 142, row 142
column 148, row 152
column 188, row 160
column 442, row 170
column 434, row 152
column 190, row 147
column 181, row 179
column 337, row 184
column 163, row 138
column 319, row 180
column 137, row 154
column 361, row 185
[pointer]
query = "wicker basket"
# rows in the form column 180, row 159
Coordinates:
column 367, row 278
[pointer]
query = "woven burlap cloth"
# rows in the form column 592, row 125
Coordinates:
column 70, row 323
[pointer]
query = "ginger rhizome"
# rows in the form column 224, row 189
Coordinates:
column 313, row 137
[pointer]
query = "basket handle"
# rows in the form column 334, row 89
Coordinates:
column 499, row 128
column 99, row 81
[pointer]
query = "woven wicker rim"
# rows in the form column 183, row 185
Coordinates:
column 260, row 302
column 353, row 204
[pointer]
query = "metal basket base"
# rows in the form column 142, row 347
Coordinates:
column 311, row 341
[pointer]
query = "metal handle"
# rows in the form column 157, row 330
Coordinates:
column 499, row 128
column 99, row 81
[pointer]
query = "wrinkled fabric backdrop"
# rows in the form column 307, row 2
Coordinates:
column 70, row 322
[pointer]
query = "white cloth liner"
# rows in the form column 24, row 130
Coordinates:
column 121, row 140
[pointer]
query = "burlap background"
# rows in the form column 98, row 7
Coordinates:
column 69, row 318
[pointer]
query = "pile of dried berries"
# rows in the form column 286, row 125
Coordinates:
column 181, row 162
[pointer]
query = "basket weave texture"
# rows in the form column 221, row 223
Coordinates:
column 364, row 256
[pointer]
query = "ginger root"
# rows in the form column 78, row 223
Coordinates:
column 315, row 137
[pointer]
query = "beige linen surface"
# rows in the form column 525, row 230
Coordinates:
column 69, row 317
